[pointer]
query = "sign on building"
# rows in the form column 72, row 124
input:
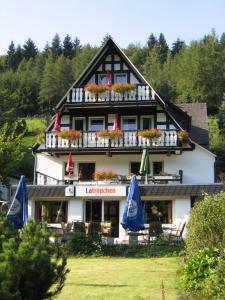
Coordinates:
column 101, row 191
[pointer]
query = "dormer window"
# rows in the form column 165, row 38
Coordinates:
column 120, row 78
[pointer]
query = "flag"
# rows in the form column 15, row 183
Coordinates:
column 133, row 217
column 69, row 164
column 57, row 123
column 108, row 81
column 18, row 211
column 116, row 122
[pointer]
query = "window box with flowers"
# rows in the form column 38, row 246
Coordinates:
column 183, row 137
column 150, row 134
column 104, row 176
column 96, row 89
column 109, row 134
column 70, row 135
column 123, row 87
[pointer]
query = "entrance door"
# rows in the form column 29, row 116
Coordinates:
column 111, row 214
column 94, row 211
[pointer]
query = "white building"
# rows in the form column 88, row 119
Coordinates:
column 179, row 173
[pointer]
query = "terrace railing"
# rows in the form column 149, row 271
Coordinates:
column 129, row 140
column 142, row 92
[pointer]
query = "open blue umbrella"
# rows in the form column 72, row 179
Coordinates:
column 18, row 211
column 133, row 218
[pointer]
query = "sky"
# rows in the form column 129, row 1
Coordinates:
column 127, row 21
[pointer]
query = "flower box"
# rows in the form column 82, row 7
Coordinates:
column 150, row 134
column 183, row 136
column 123, row 87
column 109, row 134
column 96, row 88
column 104, row 175
column 69, row 134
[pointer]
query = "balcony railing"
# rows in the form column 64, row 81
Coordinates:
column 129, row 140
column 142, row 92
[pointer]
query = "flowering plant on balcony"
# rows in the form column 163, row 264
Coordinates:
column 183, row 136
column 96, row 88
column 123, row 87
column 153, row 133
column 104, row 175
column 109, row 134
column 69, row 134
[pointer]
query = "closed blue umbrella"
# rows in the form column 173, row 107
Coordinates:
column 18, row 211
column 133, row 218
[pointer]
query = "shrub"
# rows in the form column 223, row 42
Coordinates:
column 82, row 244
column 216, row 288
column 29, row 268
column 198, row 270
column 206, row 226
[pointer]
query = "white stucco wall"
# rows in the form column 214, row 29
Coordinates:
column 197, row 165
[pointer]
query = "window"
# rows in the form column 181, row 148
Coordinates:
column 147, row 122
column 51, row 211
column 96, row 124
column 85, row 171
column 93, row 211
column 157, row 167
column 102, row 79
column 129, row 123
column 164, row 207
column 135, row 167
column 120, row 78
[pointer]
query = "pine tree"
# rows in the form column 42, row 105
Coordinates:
column 29, row 49
column 68, row 47
column 163, row 48
column 177, row 46
column 76, row 46
column 11, row 57
column 152, row 41
column 18, row 55
column 56, row 47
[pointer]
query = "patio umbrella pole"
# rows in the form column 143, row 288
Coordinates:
column 146, row 178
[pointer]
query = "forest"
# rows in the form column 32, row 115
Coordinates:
column 32, row 81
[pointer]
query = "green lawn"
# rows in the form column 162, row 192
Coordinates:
column 120, row 278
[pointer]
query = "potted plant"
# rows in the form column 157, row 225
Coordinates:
column 109, row 134
column 150, row 134
column 96, row 88
column 183, row 136
column 104, row 175
column 69, row 134
column 123, row 87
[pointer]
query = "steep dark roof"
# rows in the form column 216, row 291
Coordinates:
column 199, row 122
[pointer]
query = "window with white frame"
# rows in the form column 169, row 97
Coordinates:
column 129, row 123
column 96, row 123
column 120, row 78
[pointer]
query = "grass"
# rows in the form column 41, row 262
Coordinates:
column 120, row 278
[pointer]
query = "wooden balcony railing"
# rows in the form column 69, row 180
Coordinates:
column 142, row 92
column 129, row 140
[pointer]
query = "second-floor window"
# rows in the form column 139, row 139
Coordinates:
column 147, row 122
column 96, row 124
column 120, row 78
column 129, row 123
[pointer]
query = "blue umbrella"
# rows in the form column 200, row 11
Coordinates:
column 18, row 211
column 133, row 218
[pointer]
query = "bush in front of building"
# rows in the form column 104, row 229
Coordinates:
column 80, row 244
column 206, row 226
column 31, row 267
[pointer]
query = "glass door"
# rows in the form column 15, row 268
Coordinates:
column 111, row 214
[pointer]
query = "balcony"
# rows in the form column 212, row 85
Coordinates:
column 142, row 92
column 130, row 140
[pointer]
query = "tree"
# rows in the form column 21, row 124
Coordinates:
column 56, row 48
column 68, row 49
column 152, row 41
column 10, row 58
column 29, row 49
column 76, row 46
column 177, row 46
column 11, row 147
column 221, row 117
column 163, row 48
column 40, row 265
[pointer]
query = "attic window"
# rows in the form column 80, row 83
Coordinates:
column 120, row 78
column 102, row 79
